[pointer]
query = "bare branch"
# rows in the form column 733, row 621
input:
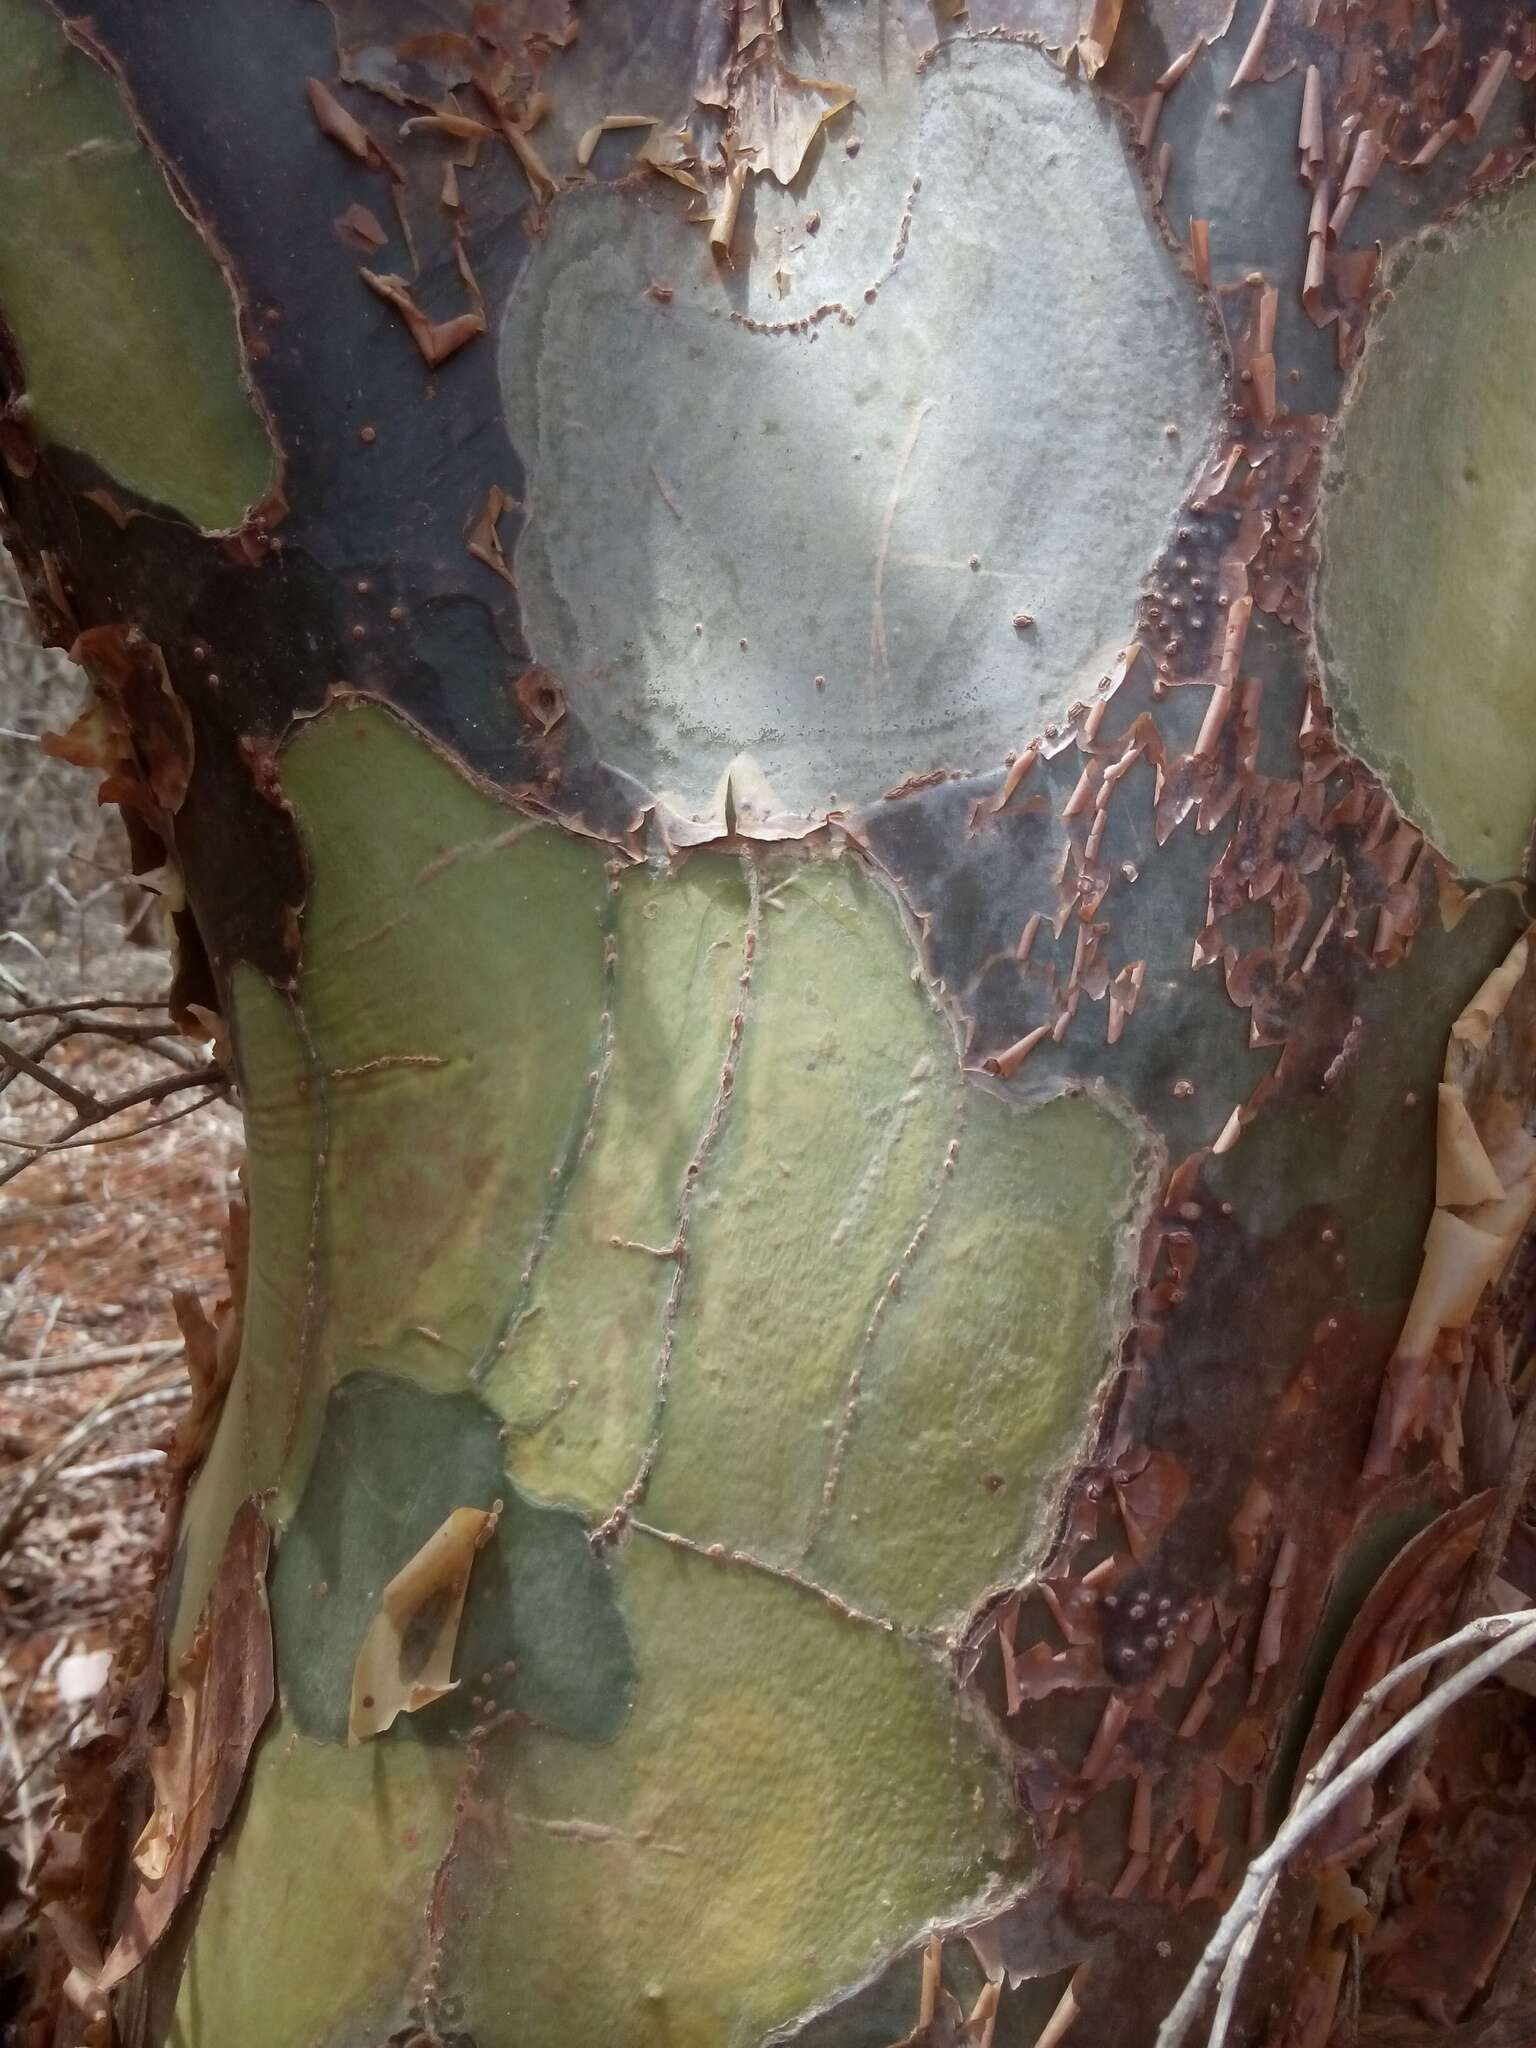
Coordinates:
column 1479, row 1576
column 88, row 1361
column 112, row 1407
column 24, row 1063
column 1510, row 1635
column 82, row 1003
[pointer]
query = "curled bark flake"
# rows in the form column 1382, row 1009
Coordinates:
column 723, row 226
column 671, row 153
column 776, row 114
column 1246, row 1530
column 1150, row 114
column 1250, row 65
column 212, row 1350
column 1094, row 43
column 484, row 538
column 1272, row 1628
column 1200, row 252
column 359, row 225
column 540, row 180
column 448, row 121
column 107, row 501
column 1316, row 269
column 1311, row 143
column 436, row 339
column 135, row 731
column 1066, row 2014
column 1013, row 780
column 216, row 1708
column 1260, row 367
column 340, row 127
column 1006, row 1064
column 1485, row 1193
column 586, row 148
column 1432, row 147
column 1124, row 992
column 396, row 1671
column 1198, row 1712
column 515, row 124
column 1366, row 159
column 1469, row 122
column 1149, row 1499
column 1106, row 1737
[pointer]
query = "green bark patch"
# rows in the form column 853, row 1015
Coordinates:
column 125, row 327
column 282, row 1138
column 540, row 1632
column 452, row 997
column 655, row 1204
column 1428, row 600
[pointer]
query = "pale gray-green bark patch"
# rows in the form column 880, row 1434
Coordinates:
column 1428, row 618
column 872, row 503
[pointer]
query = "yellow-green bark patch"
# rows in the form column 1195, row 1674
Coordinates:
column 313, row 1921
column 125, row 325
column 452, row 990
column 1429, row 540
column 665, row 1193
column 576, row 1379
column 983, row 1378
column 831, row 1146
column 793, row 1792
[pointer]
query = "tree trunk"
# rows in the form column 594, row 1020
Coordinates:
column 838, row 703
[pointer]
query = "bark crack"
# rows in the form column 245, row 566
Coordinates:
column 852, row 1397
column 522, row 1308
column 318, row 1092
column 470, row 849
column 743, row 1560
column 614, row 1523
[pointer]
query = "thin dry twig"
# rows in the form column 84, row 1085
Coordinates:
column 1479, row 1576
column 14, row 1798
column 114, row 1468
column 30, row 1369
column 122, row 1400
column 21, row 1786
column 71, row 1143
column 1322, row 1793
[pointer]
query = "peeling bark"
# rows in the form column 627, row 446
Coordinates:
column 841, row 916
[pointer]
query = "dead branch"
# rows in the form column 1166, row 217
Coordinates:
column 1480, row 1575
column 1322, row 1792
column 110, row 1409
column 31, row 1369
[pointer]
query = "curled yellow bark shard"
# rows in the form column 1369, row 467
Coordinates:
column 406, row 1661
column 1485, row 1191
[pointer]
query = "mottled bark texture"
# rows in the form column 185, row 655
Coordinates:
column 839, row 701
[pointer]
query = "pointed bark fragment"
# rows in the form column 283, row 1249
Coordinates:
column 217, row 1705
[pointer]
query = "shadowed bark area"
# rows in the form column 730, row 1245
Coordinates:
column 872, row 1298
